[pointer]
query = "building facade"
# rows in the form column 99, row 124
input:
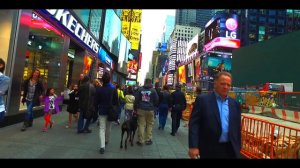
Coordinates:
column 61, row 43
column 186, row 17
column 203, row 16
column 185, row 32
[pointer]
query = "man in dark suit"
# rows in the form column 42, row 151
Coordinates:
column 215, row 123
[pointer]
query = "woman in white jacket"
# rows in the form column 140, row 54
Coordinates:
column 129, row 100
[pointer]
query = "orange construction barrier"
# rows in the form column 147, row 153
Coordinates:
column 262, row 139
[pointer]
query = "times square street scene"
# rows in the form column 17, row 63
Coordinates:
column 149, row 84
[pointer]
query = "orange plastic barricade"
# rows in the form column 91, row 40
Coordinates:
column 262, row 139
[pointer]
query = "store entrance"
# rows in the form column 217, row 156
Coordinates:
column 74, row 64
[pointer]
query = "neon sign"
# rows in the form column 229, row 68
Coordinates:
column 222, row 42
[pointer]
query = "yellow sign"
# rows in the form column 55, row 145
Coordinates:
column 126, row 14
column 131, row 26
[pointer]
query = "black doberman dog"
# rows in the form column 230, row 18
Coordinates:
column 129, row 126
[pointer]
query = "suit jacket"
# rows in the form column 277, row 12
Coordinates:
column 205, row 126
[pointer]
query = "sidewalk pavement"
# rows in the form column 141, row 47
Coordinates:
column 60, row 142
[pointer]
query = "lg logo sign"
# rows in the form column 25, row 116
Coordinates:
column 231, row 25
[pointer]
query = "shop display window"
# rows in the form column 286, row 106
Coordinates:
column 44, row 51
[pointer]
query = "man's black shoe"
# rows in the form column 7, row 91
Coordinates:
column 102, row 150
column 87, row 131
column 149, row 142
column 139, row 143
column 173, row 134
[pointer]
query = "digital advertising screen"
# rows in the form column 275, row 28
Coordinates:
column 112, row 32
column 87, row 62
column 132, row 66
column 192, row 47
column 197, row 69
column 130, row 82
column 182, row 74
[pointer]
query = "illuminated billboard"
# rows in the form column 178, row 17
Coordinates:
column 112, row 32
column 222, row 31
column 131, row 26
column 182, row 74
column 87, row 62
column 222, row 42
column 192, row 48
column 132, row 66
column 197, row 69
column 130, row 82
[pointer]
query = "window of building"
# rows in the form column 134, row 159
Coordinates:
column 261, row 33
column 252, row 27
column 281, row 13
column 280, row 30
column 271, row 21
column 254, row 11
column 262, row 19
column 262, row 11
column 272, row 12
column 271, row 30
column 280, row 22
column 297, row 13
column 252, row 18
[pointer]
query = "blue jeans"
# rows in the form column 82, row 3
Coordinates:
column 121, row 106
column 163, row 114
column 2, row 114
column 29, row 111
column 81, row 126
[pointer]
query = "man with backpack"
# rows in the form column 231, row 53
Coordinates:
column 146, row 99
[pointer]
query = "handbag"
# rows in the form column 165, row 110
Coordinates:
column 112, row 113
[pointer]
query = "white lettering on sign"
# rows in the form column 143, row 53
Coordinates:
column 107, row 60
column 231, row 35
column 66, row 19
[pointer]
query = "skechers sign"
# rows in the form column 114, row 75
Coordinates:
column 65, row 18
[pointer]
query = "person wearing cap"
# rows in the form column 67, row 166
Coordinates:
column 178, row 105
column 215, row 123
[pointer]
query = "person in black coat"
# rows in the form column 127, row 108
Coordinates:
column 178, row 105
column 106, row 97
column 86, row 105
column 72, row 107
column 33, row 94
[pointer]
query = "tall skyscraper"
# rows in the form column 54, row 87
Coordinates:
column 168, row 28
column 185, row 17
column 203, row 16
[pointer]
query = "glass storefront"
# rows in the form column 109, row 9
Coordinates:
column 44, row 48
column 6, row 20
